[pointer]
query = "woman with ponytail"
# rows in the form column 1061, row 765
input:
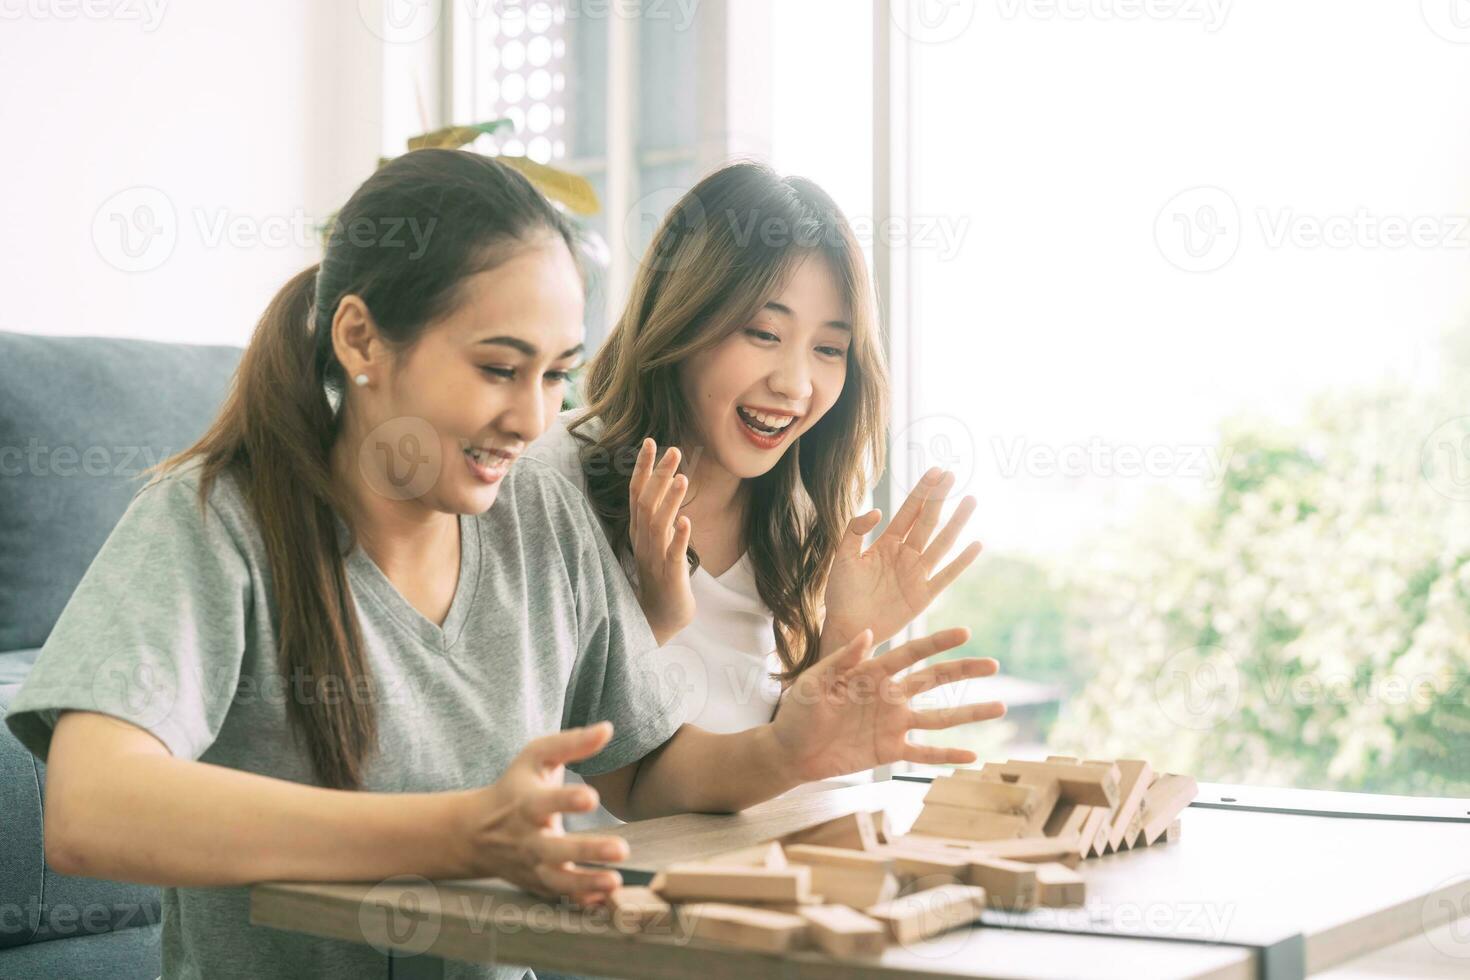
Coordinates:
column 344, row 638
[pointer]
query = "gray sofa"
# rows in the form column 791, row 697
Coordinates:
column 80, row 420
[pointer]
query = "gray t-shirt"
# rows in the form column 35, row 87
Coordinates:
column 172, row 629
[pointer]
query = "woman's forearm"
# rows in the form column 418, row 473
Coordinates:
column 702, row 772
column 135, row 813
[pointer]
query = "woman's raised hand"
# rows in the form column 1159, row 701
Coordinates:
column 660, row 540
column 512, row 828
column 884, row 587
column 850, row 711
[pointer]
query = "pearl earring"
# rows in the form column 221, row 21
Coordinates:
column 361, row 380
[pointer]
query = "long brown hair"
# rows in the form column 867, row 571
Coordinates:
column 720, row 254
column 403, row 243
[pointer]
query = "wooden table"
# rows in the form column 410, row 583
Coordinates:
column 1243, row 895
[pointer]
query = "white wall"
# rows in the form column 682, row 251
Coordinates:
column 224, row 130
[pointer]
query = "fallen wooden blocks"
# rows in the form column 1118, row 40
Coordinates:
column 1008, row 836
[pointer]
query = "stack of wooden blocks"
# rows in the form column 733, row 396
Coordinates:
column 1008, row 836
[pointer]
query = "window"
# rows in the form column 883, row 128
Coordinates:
column 1191, row 309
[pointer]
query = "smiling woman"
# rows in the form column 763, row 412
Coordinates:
column 441, row 633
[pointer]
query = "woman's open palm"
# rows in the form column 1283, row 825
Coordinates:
column 886, row 586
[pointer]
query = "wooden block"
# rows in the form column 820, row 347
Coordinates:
column 636, row 908
column 1032, row 850
column 1063, row 759
column 928, row 913
column 1165, row 800
column 847, row 885
column 1067, row 820
column 1058, row 886
column 1008, row 884
column 708, row 883
column 882, row 826
column 1175, row 831
column 760, row 856
column 926, row 863
column 1080, row 783
column 841, row 931
column 1021, row 799
column 853, row 830
column 1136, row 777
column 1095, row 831
column 739, row 925
column 938, row 820
column 811, row 854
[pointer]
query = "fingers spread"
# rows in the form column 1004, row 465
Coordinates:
column 540, row 805
column 570, row 880
column 903, row 521
column 964, row 714
column 929, row 513
column 851, row 544
column 954, row 569
column 949, row 534
column 571, row 745
column 581, row 849
column 904, row 657
column 948, row 672
column 934, row 755
column 849, row 655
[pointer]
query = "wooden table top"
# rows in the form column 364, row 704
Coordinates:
column 1225, row 901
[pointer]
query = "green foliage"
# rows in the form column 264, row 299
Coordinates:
column 1307, row 623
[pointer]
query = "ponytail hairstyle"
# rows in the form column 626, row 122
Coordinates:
column 720, row 254
column 404, row 243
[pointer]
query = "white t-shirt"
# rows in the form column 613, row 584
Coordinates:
column 722, row 661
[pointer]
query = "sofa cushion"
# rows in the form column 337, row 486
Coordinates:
column 37, row 903
column 21, row 870
column 15, row 664
column 81, row 418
